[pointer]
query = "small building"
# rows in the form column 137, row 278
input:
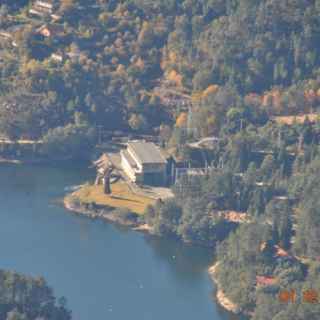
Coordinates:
column 42, row 8
column 5, row 35
column 144, row 163
column 206, row 143
column 57, row 57
column 47, row 5
column 51, row 30
column 8, row 35
column 9, row 32
column 265, row 281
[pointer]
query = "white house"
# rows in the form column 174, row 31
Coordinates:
column 144, row 163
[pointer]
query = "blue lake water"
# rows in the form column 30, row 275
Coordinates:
column 104, row 271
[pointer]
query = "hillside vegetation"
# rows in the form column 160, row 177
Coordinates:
column 26, row 298
column 112, row 54
column 244, row 71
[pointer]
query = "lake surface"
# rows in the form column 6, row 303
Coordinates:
column 105, row 272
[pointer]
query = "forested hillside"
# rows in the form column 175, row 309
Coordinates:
column 26, row 298
column 101, row 61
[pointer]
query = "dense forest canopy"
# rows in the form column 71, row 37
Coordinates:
column 106, row 58
column 26, row 298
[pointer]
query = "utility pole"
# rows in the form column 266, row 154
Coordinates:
column 241, row 125
column 279, row 138
column 221, row 163
column 189, row 120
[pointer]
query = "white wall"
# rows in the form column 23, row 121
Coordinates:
column 130, row 172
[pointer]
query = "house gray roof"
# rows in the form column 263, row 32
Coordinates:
column 146, row 152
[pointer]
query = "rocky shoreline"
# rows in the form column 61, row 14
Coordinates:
column 107, row 214
column 222, row 299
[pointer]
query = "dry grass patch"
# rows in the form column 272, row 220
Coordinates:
column 121, row 197
column 289, row 120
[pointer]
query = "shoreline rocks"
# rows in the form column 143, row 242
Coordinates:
column 107, row 214
column 222, row 299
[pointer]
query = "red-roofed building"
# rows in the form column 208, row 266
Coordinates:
column 51, row 30
column 265, row 281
